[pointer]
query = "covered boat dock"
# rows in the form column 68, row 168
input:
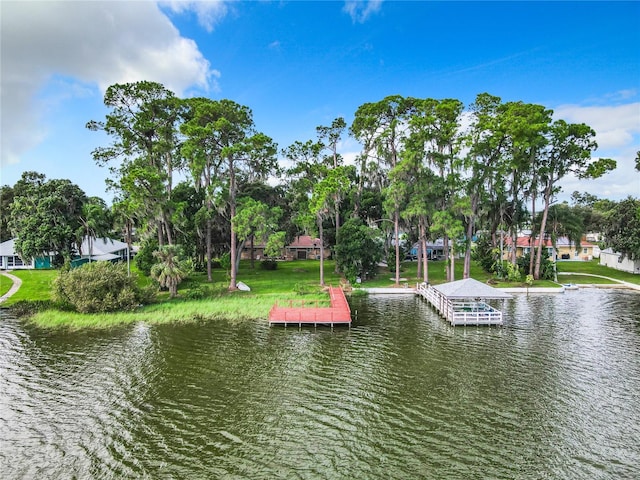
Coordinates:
column 463, row 302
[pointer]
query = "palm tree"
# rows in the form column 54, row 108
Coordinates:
column 169, row 271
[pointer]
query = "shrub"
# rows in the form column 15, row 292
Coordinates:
column 547, row 267
column 198, row 292
column 268, row 264
column 100, row 287
column 144, row 258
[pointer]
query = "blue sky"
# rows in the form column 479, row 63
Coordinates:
column 299, row 64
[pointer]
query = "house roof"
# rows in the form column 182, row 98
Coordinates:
column 469, row 288
column 101, row 247
column 304, row 241
column 8, row 248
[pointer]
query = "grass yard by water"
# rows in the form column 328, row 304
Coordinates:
column 292, row 280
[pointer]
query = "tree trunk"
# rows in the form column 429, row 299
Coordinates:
column 253, row 257
column 543, row 225
column 425, row 254
column 466, row 271
column 453, row 262
column 532, row 255
column 320, row 231
column 396, row 227
column 467, row 253
column 208, row 247
column 232, row 214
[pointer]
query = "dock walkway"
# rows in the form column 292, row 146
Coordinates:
column 339, row 313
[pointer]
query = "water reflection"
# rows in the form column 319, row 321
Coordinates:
column 552, row 394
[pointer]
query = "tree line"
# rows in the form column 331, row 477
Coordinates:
column 428, row 169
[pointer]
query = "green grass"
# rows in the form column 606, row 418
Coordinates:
column 36, row 285
column 267, row 287
column 594, row 268
column 386, row 277
column 231, row 307
column 584, row 279
column 5, row 284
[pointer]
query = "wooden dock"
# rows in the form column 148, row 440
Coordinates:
column 461, row 309
column 339, row 313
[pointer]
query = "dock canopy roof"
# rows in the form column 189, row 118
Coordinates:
column 469, row 289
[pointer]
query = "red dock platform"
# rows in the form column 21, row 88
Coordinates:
column 338, row 313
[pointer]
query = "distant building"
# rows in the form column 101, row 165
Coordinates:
column 98, row 249
column 435, row 250
column 565, row 249
column 305, row 247
column 10, row 260
column 616, row 260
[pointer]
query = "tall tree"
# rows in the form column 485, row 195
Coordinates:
column 329, row 137
column 622, row 232
column 246, row 155
column 568, row 152
column 382, row 129
column 203, row 151
column 6, row 199
column 143, row 125
column 525, row 127
column 323, row 200
column 45, row 216
column 254, row 219
column 96, row 222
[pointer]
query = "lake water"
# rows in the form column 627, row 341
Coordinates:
column 554, row 393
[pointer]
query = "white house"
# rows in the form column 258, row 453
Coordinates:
column 10, row 260
column 94, row 249
column 612, row 259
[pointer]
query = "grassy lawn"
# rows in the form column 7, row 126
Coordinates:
column 36, row 285
column 584, row 279
column 594, row 268
column 287, row 282
column 408, row 270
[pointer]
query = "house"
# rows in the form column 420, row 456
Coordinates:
column 435, row 250
column 305, row 248
column 258, row 251
column 615, row 260
column 565, row 249
column 98, row 249
column 10, row 260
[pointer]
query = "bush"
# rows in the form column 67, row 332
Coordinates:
column 547, row 267
column 144, row 258
column 100, row 287
column 198, row 292
column 268, row 265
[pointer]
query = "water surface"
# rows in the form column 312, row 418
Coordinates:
column 554, row 393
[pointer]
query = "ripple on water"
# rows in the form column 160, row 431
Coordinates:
column 401, row 395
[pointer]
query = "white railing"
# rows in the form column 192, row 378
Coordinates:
column 460, row 312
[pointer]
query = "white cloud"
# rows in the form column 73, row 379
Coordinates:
column 94, row 43
column 617, row 130
column 615, row 126
column 209, row 12
column 361, row 10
